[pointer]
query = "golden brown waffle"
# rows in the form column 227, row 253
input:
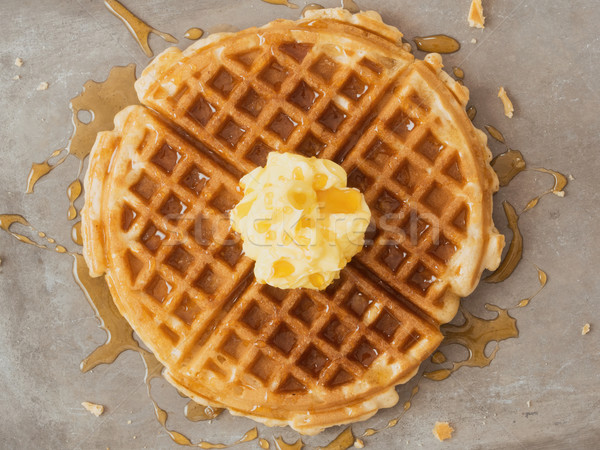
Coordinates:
column 159, row 188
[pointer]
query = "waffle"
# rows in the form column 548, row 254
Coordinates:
column 159, row 187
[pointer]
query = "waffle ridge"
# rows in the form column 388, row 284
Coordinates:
column 176, row 269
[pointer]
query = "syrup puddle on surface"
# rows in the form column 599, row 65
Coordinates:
column 515, row 249
column 103, row 100
column 280, row 444
column 311, row 7
column 139, row 29
column 194, row 34
column 282, row 2
column 438, row 43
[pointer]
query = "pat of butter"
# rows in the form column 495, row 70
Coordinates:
column 299, row 221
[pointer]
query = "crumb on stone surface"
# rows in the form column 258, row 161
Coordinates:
column 94, row 408
column 571, row 177
column 19, row 62
column 476, row 19
column 473, row 41
column 129, row 422
column 42, row 86
column 529, row 403
column 17, row 77
column 442, row 431
column 358, row 443
column 508, row 106
column 586, row 329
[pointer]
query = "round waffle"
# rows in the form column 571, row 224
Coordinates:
column 160, row 186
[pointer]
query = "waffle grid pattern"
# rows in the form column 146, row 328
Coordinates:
column 219, row 117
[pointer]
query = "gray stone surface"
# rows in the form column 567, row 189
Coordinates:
column 547, row 55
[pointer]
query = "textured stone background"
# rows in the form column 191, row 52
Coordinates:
column 547, row 55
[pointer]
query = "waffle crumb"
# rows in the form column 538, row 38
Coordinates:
column 586, row 329
column 19, row 62
column 529, row 403
column 571, row 177
column 476, row 18
column 473, row 41
column 508, row 106
column 358, row 443
column 17, row 77
column 129, row 422
column 42, row 86
column 94, row 408
column 442, row 431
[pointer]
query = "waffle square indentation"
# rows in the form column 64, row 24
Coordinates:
column 437, row 198
column 305, row 309
column 173, row 208
column 386, row 325
column 311, row 146
column 166, row 158
column 195, row 180
column 207, row 281
column 357, row 302
column 274, row 74
column 304, row 96
column 254, row 317
column 296, row 50
column 409, row 176
column 283, row 339
column 335, row 332
column 231, row 132
column 422, row 278
column 252, row 103
column 392, row 256
column 187, row 310
column 357, row 179
column 223, row 82
column 158, row 288
column 387, row 203
column 401, row 124
column 152, row 237
column 364, row 353
column 354, row 88
column 282, row 125
column 201, row 111
column 332, row 117
column 258, row 153
column 313, row 361
column 324, row 67
column 430, row 147
column 145, row 187
column 179, row 259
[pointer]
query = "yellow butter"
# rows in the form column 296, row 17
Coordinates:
column 299, row 221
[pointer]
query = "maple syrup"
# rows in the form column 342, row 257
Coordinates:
column 281, row 2
column 438, row 43
column 495, row 133
column 195, row 412
column 471, row 112
column 311, row 7
column 474, row 334
column 76, row 234
column 73, row 193
column 515, row 249
column 280, row 444
column 458, row 73
column 351, row 6
column 507, row 165
column 139, row 29
column 193, row 34
column 104, row 100
column 560, row 182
